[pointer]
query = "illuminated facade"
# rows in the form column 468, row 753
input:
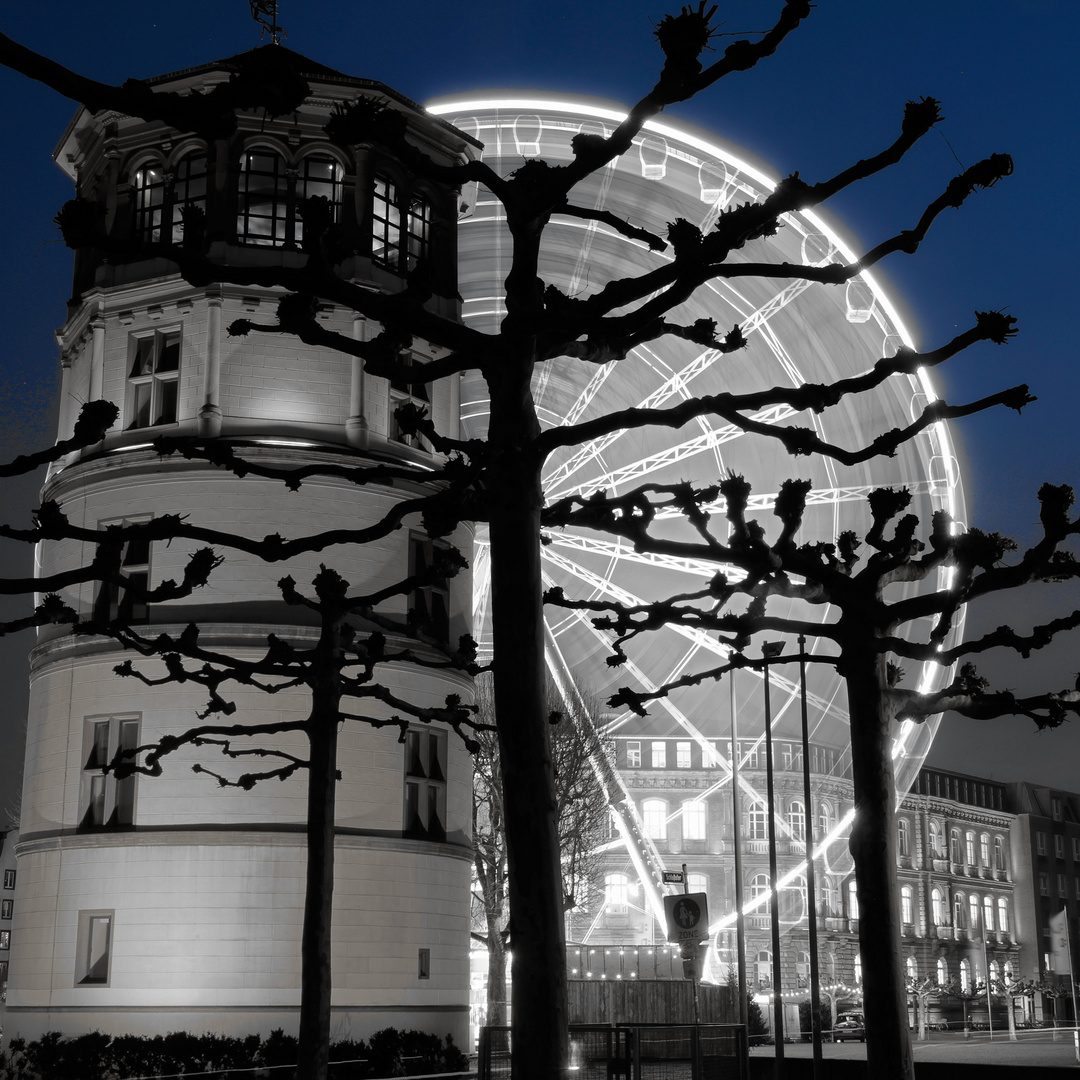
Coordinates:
column 151, row 905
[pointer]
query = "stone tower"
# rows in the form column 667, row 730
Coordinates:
column 151, row 905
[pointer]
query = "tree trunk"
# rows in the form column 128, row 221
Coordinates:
column 496, row 976
column 537, row 943
column 315, row 973
column 873, row 848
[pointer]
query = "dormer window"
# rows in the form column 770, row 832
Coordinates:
column 400, row 227
column 271, row 194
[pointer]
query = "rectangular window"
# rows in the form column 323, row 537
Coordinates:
column 385, row 224
column 5, row 940
column 1059, row 846
column 1055, row 809
column 1076, row 848
column 94, row 949
column 1063, row 885
column 425, row 784
column 429, row 604
column 153, row 379
column 749, row 755
column 9, row 879
column 633, row 754
column 659, row 755
column 788, row 757
column 1044, row 884
column 758, row 821
column 407, row 393
column 106, row 802
column 5, row 908
column 3, row 971
column 1040, row 843
column 693, row 819
column 682, row 755
column 423, row 964
column 126, row 602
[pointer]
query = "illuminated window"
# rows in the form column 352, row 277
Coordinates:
column 693, row 819
column 758, row 820
column 153, row 380
column 853, row 899
column 617, row 894
column 271, row 193
column 907, row 909
column 759, row 890
column 903, row 838
column 942, row 972
column 429, row 604
column 163, row 201
column 912, row 967
column 106, row 802
column 999, row 853
column 9, row 879
column 698, row 883
column 797, row 820
column 825, row 818
column 965, row 976
column 937, row 907
column 127, row 601
column 633, row 755
column 973, row 908
column 828, row 895
column 988, row 913
column 94, row 948
column 959, row 916
column 659, row 755
column 802, row 968
column 682, row 755
column 654, row 815
column 984, row 850
column 793, row 899
column 858, row 970
column 1003, row 915
column 425, row 784
column 148, row 185
column 969, row 848
column 955, row 852
column 937, row 840
column 763, row 968
column 6, row 908
column 399, row 221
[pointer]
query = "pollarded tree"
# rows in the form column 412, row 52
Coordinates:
column 867, row 634
column 584, row 817
column 542, row 326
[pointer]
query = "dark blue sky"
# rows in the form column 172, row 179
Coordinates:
column 1005, row 71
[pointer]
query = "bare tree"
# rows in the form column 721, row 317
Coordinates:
column 502, row 475
column 583, row 820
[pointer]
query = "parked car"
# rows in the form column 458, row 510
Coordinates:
column 850, row 1026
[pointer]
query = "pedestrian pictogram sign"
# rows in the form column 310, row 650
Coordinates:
column 687, row 917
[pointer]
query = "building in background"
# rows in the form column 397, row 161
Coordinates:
column 151, row 905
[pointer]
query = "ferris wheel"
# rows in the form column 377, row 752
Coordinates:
column 797, row 332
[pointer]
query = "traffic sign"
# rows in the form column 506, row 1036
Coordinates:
column 672, row 877
column 687, row 917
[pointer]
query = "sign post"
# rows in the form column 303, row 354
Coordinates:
column 687, row 926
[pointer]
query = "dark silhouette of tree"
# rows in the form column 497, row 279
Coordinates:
column 584, row 817
column 498, row 480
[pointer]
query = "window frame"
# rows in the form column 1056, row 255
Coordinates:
column 117, row 798
column 654, row 815
column 683, row 754
column 401, row 223
column 429, row 605
column 633, row 753
column 114, row 601
column 694, row 819
column 424, row 775
column 658, row 754
column 9, row 879
column 616, row 894
column 86, row 938
column 150, row 386
column 907, row 905
column 406, row 393
column 903, row 838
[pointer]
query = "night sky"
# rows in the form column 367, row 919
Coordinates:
column 1004, row 70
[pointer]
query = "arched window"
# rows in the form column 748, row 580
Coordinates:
column 959, row 918
column 148, row 184
column 616, row 894
column 825, row 818
column 988, row 913
column 693, row 819
column 995, row 973
column 955, row 852
column 828, row 895
column 937, row 906
column 793, row 899
column 400, row 226
column 1003, row 915
column 858, row 970
column 188, row 195
column 912, row 967
column 853, row 899
column 965, row 976
column 759, row 889
column 907, row 907
column 797, row 819
column 697, row 882
column 969, row 848
column 758, row 820
column 763, row 968
column 802, row 968
column 984, row 850
column 654, row 816
column 973, row 908
column 903, row 838
column 937, row 840
column 942, row 972
column 270, row 195
column 1008, row 971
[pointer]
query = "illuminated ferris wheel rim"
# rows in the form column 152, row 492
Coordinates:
column 589, row 107
column 947, row 488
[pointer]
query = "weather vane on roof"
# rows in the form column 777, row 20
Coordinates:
column 264, row 12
